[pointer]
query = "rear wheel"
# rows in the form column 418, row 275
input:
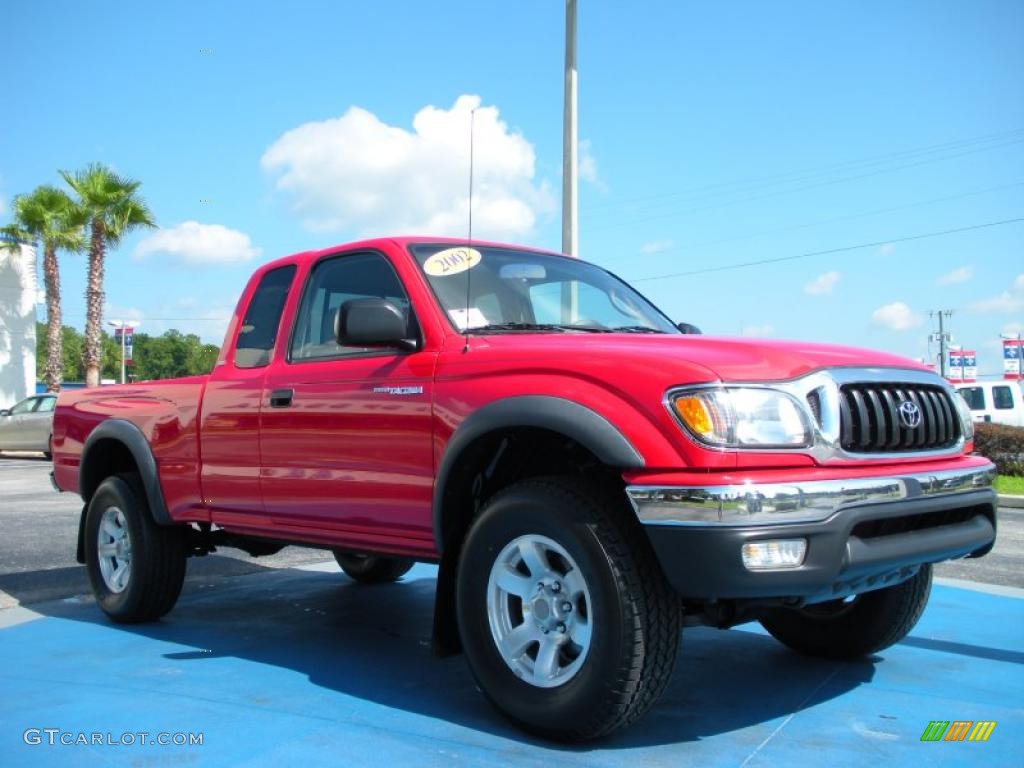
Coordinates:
column 135, row 566
column 568, row 624
column 855, row 627
column 372, row 569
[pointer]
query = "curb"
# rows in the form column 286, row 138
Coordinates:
column 1012, row 502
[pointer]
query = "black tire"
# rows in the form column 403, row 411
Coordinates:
column 842, row 630
column 372, row 569
column 157, row 561
column 633, row 615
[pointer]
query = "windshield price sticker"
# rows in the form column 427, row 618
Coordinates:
column 452, row 261
column 467, row 318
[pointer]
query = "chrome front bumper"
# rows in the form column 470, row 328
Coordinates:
column 811, row 501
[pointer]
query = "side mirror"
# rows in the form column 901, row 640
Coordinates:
column 689, row 328
column 372, row 323
column 5, row 412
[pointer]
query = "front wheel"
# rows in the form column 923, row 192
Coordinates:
column 135, row 566
column 372, row 569
column 567, row 622
column 854, row 627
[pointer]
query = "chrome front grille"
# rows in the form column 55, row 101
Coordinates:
column 870, row 420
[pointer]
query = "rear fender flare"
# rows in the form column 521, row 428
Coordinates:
column 131, row 437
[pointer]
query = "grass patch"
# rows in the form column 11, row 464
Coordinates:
column 1010, row 484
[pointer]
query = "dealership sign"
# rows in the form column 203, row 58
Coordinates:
column 126, row 343
column 962, row 365
column 1012, row 357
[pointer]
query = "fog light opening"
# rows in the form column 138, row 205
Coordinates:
column 773, row 554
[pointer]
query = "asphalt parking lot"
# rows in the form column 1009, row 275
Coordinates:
column 283, row 660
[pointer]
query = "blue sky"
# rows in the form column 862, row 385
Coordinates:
column 714, row 133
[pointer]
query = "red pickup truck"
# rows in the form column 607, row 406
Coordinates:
column 589, row 476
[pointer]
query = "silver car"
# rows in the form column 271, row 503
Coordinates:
column 27, row 426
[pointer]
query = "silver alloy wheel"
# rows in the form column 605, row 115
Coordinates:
column 539, row 609
column 114, row 548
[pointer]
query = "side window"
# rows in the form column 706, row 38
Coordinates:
column 259, row 328
column 333, row 282
column 975, row 397
column 25, row 406
column 1003, row 398
column 46, row 404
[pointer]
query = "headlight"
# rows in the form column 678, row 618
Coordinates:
column 742, row 417
column 966, row 422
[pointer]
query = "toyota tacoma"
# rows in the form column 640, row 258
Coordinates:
column 589, row 476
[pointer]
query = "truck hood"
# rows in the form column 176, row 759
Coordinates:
column 723, row 358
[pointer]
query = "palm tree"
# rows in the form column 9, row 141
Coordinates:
column 113, row 210
column 51, row 217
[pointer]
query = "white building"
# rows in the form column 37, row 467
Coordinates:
column 17, row 324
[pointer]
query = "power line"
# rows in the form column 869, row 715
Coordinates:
column 796, row 176
column 863, row 214
column 778, row 259
column 618, row 222
column 148, row 319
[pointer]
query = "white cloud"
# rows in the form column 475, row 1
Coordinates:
column 655, row 246
column 886, row 249
column 1005, row 302
column 1012, row 329
column 896, row 316
column 588, row 165
column 186, row 314
column 757, row 331
column 357, row 172
column 822, row 284
column 958, row 275
column 195, row 243
column 120, row 313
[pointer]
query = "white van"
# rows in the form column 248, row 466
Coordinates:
column 1001, row 402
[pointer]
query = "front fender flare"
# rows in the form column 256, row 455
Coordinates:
column 585, row 426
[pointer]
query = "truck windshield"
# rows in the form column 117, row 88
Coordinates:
column 522, row 291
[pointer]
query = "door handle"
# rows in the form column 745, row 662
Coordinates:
column 281, row 398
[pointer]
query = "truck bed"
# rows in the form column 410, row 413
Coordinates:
column 166, row 412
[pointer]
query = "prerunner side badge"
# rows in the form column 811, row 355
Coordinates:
column 398, row 390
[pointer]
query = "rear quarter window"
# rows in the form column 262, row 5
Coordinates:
column 258, row 332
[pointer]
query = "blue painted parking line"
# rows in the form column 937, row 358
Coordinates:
column 300, row 667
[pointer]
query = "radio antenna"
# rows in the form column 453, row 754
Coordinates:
column 469, row 237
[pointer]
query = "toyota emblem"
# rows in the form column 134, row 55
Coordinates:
column 910, row 414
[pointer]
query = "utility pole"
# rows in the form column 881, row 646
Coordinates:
column 570, row 182
column 942, row 336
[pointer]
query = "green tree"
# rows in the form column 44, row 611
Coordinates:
column 51, row 217
column 74, row 348
column 156, row 357
column 113, row 209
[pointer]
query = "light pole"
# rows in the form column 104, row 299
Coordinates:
column 121, row 324
column 570, row 182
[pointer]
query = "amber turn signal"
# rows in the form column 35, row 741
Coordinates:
column 694, row 413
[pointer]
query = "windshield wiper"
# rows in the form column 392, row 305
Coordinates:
column 636, row 329
column 555, row 327
column 513, row 327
